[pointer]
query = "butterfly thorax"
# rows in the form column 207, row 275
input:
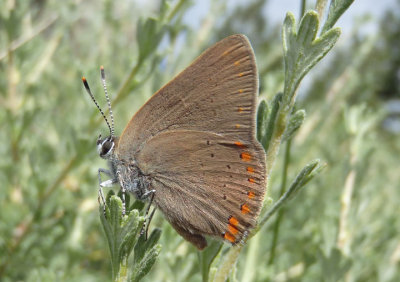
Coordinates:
column 125, row 172
column 131, row 178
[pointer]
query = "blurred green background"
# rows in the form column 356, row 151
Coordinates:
column 343, row 227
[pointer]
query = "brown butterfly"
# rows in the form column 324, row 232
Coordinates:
column 192, row 147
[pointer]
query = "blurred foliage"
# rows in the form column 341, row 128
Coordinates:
column 344, row 226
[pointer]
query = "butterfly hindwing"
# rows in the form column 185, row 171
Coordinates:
column 211, row 185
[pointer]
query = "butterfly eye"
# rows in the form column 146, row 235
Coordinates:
column 105, row 147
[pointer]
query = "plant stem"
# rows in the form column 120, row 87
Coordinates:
column 251, row 259
column 228, row 263
column 282, row 211
column 344, row 238
column 302, row 8
column 175, row 10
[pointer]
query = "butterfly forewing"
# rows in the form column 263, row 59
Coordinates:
column 195, row 141
column 216, row 93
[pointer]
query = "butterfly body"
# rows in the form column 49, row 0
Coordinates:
column 192, row 147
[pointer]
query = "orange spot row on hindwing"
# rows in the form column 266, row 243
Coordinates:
column 228, row 236
column 250, row 169
column 232, row 229
column 233, row 221
column 240, row 90
column 237, row 63
column 251, row 180
column 237, row 125
column 245, row 156
column 245, row 209
column 250, row 195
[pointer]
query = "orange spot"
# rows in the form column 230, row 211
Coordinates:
column 245, row 209
column 240, row 109
column 228, row 236
column 245, row 156
column 240, row 90
column 250, row 169
column 250, row 195
column 239, row 144
column 237, row 125
column 232, row 229
column 225, row 53
column 251, row 180
column 233, row 221
column 237, row 63
column 240, row 74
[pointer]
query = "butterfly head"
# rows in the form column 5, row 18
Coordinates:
column 105, row 146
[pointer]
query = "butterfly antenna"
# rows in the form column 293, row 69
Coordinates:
column 85, row 83
column 103, row 80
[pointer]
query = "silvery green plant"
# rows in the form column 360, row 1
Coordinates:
column 277, row 122
column 49, row 225
column 132, row 254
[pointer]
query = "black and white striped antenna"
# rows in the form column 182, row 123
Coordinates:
column 103, row 80
column 85, row 83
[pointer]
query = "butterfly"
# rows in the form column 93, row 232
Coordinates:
column 192, row 151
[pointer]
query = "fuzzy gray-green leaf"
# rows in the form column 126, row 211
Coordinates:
column 144, row 245
column 262, row 118
column 305, row 175
column 295, row 121
column 336, row 10
column 111, row 226
column 121, row 232
column 303, row 50
column 207, row 257
column 308, row 29
column 143, row 267
column 128, row 233
column 276, row 104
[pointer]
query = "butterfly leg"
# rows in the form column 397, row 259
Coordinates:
column 145, row 227
column 123, row 192
column 147, row 194
column 106, row 183
column 148, row 222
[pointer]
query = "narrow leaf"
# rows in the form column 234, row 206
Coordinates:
column 276, row 104
column 141, row 269
column 305, row 175
column 262, row 118
column 308, row 29
column 207, row 257
column 302, row 51
column 143, row 245
column 295, row 121
column 336, row 10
